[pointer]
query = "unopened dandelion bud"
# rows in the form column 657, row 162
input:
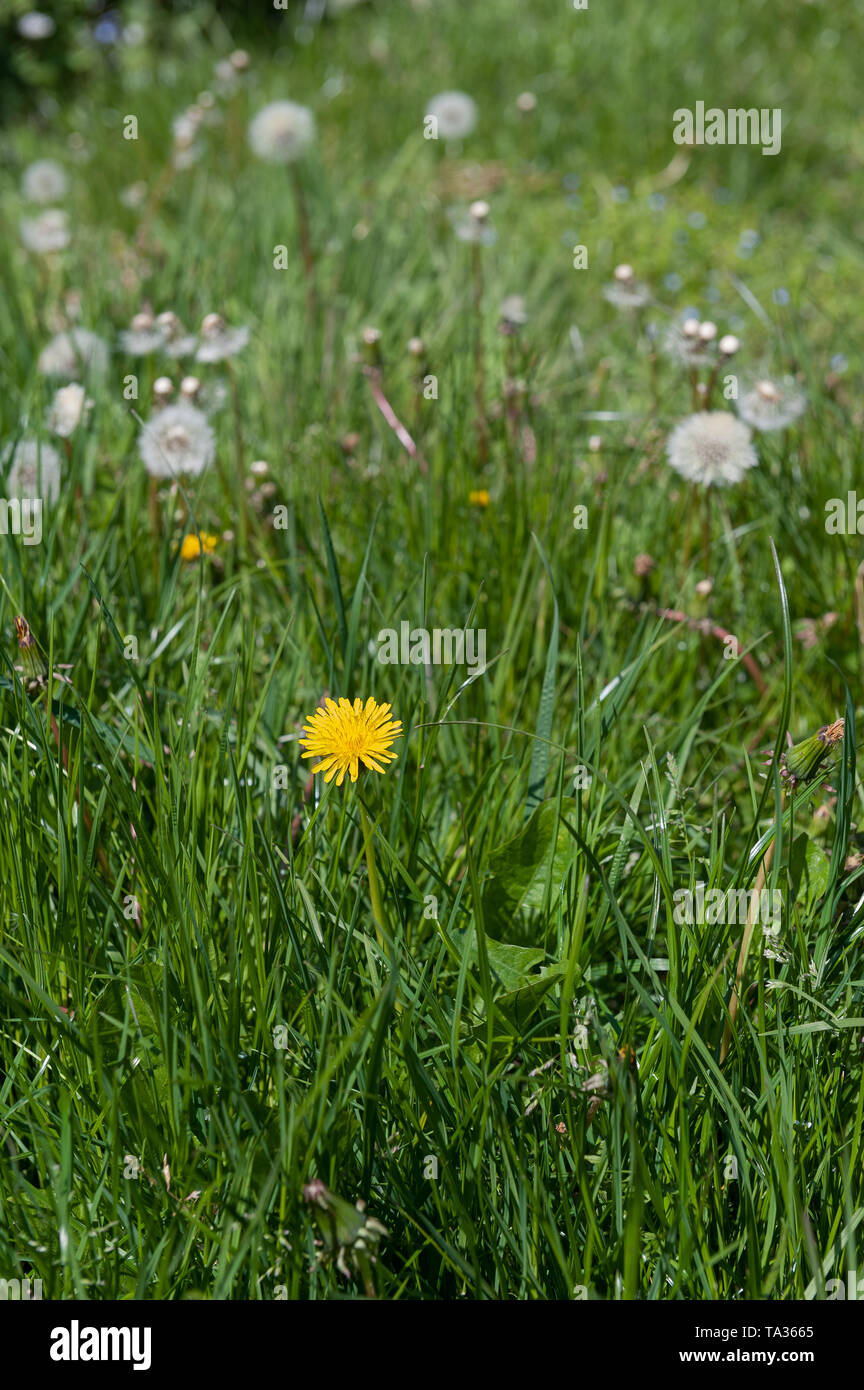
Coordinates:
column 168, row 322
column 259, row 469
column 729, row 345
column 707, row 331
column 239, row 59
column 690, row 328
column 479, row 210
column 416, row 347
column 212, row 323
column 189, row 387
column 624, row 274
column 526, row 102
column 142, row 322
column 163, row 387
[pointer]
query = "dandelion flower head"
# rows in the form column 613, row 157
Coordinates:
column 344, row 735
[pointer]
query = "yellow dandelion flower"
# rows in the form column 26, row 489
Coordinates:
column 343, row 736
column 193, row 549
column 479, row 498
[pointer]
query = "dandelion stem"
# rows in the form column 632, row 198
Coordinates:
column 479, row 359
column 239, row 469
column 305, row 239
column 374, row 881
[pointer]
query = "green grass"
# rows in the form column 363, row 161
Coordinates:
column 250, row 1032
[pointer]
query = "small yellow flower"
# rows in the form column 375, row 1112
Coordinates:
column 344, row 735
column 193, row 549
column 480, row 498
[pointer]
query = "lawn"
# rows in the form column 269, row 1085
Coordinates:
column 566, row 1000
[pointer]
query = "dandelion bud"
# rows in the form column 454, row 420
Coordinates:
column 168, row 322
column 212, row 323
column 163, row 387
column 239, row 59
column 729, row 345
column 690, row 328
column 623, row 274
column 416, row 347
column 259, row 469
column 479, row 210
column 707, row 331
column 704, row 587
column 526, row 102
column 189, row 387
column 595, row 443
column 142, row 322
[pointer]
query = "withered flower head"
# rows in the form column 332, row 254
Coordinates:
column 32, row 666
column 804, row 762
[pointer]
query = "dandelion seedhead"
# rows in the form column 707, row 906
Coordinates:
column 35, row 25
column 772, row 405
column 685, row 344
column 626, row 292
column 47, row 232
column 33, row 470
column 176, row 342
column 218, row 341
column 514, row 314
column 711, row 447
column 69, row 409
column 473, row 226
column 282, row 132
column 142, row 336
column 344, row 735
column 43, row 181
column 455, row 114
column 74, row 354
column 177, row 440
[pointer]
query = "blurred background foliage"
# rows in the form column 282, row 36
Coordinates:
column 91, row 37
